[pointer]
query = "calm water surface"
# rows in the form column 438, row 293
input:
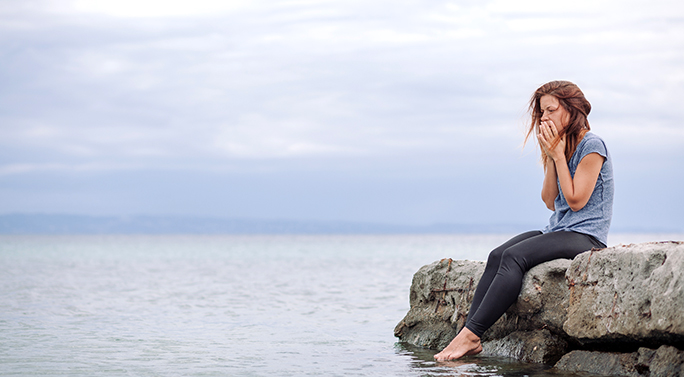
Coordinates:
column 224, row 305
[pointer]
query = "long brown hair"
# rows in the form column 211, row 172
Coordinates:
column 572, row 99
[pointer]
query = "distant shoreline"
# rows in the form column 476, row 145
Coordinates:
column 142, row 224
column 68, row 224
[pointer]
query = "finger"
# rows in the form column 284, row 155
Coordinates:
column 548, row 132
column 552, row 128
column 543, row 142
column 543, row 128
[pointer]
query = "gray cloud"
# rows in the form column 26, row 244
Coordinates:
column 327, row 86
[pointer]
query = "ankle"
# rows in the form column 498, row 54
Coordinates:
column 470, row 336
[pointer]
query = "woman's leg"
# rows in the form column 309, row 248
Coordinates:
column 503, row 289
column 515, row 261
column 493, row 263
column 467, row 343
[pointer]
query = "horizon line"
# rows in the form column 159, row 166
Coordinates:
column 62, row 223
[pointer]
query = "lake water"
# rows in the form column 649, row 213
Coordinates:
column 225, row 305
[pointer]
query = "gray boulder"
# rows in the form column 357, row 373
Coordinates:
column 441, row 294
column 601, row 363
column 632, row 293
column 666, row 361
column 529, row 346
column 440, row 297
column 623, row 296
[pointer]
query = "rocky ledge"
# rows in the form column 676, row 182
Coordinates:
column 617, row 311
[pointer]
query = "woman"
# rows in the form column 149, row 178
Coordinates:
column 578, row 188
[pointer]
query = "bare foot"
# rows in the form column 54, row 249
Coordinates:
column 464, row 344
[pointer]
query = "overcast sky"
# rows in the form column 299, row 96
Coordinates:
column 407, row 112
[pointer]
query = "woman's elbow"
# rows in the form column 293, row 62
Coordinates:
column 550, row 203
column 576, row 205
column 548, row 199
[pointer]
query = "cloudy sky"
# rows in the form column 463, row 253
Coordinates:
column 407, row 112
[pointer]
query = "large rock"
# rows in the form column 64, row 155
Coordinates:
column 631, row 293
column 441, row 294
column 602, row 363
column 666, row 361
column 619, row 298
column 529, row 346
column 440, row 297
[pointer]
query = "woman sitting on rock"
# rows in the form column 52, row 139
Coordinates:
column 578, row 188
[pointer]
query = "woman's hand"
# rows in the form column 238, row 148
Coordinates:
column 577, row 189
column 548, row 135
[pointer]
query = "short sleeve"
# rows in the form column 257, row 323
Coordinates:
column 594, row 145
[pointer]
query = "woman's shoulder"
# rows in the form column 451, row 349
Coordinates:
column 592, row 143
column 590, row 136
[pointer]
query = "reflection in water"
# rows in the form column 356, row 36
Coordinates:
column 421, row 360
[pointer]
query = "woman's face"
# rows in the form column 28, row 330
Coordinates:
column 553, row 111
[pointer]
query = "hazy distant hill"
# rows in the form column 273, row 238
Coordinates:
column 79, row 224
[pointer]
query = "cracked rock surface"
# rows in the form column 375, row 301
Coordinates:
column 632, row 293
column 625, row 296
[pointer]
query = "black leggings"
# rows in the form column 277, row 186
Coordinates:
column 502, row 279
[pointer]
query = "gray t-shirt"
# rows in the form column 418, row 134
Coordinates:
column 594, row 218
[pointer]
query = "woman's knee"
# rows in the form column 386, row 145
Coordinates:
column 494, row 258
column 513, row 257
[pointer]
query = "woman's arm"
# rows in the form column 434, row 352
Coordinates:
column 550, row 185
column 577, row 190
